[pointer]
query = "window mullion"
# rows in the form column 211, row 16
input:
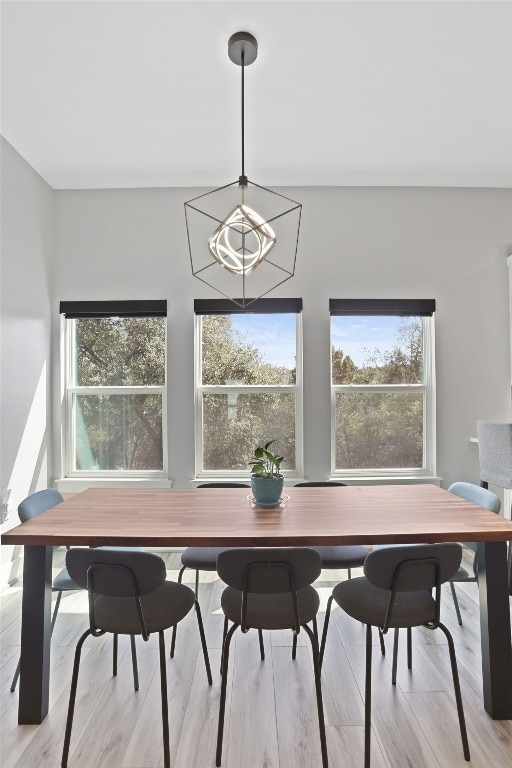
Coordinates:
column 355, row 388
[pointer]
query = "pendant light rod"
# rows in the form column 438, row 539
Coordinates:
column 243, row 178
column 243, row 50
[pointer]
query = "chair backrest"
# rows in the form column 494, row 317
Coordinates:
column 116, row 572
column 318, row 484
column 495, row 452
column 476, row 494
column 223, row 485
column 38, row 502
column 480, row 496
column 269, row 571
column 408, row 568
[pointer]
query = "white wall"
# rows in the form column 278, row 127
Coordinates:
column 447, row 244
column 26, row 251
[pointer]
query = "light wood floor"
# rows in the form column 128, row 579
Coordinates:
column 271, row 719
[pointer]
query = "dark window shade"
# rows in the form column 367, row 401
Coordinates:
column 400, row 307
column 260, row 306
column 97, row 309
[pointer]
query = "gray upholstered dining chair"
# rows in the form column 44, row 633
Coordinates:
column 495, row 453
column 495, row 457
column 396, row 591
column 129, row 595
column 270, row 588
column 483, row 498
column 29, row 508
column 204, row 558
column 488, row 500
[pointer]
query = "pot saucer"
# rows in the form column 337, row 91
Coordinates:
column 281, row 504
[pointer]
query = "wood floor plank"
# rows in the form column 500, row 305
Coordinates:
column 198, row 736
column 145, row 745
column 345, row 747
column 401, row 737
column 252, row 723
column 437, row 715
column 343, row 704
column 296, row 713
column 118, row 708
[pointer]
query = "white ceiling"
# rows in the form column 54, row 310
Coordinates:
column 125, row 94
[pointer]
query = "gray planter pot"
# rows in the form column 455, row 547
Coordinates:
column 267, row 490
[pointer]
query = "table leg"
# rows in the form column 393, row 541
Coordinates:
column 35, row 635
column 495, row 629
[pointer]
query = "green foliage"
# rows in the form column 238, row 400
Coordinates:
column 264, row 463
column 234, row 422
column 373, row 430
column 118, row 352
column 113, row 431
column 381, row 430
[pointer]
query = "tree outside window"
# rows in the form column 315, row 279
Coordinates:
column 116, row 390
column 247, row 389
column 379, row 387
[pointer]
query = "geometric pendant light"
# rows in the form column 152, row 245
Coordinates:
column 243, row 237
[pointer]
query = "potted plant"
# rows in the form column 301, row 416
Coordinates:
column 266, row 478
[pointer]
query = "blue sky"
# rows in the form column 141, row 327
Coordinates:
column 352, row 334
column 275, row 335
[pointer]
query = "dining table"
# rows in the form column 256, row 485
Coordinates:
column 362, row 514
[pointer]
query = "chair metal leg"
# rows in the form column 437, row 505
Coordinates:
column 395, row 656
column 197, row 584
column 324, row 631
column 175, row 628
column 349, row 573
column 409, row 648
column 368, row 698
column 173, row 641
column 262, row 647
column 114, row 657
column 222, row 706
column 165, row 707
column 55, row 610
column 456, row 687
column 134, row 663
column 224, row 633
column 315, row 630
column 72, row 698
column 318, row 687
column 203, row 643
column 294, row 646
column 16, row 676
column 54, row 617
column 456, row 603
column 381, row 638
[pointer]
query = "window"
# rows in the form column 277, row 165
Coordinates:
column 382, row 387
column 115, row 393
column 248, row 384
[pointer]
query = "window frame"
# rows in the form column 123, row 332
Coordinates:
column 427, row 388
column 202, row 389
column 70, row 392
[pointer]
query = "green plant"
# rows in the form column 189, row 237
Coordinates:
column 264, row 463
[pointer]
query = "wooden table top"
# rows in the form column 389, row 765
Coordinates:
column 225, row 517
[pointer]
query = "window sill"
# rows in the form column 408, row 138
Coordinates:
column 78, row 484
column 388, row 479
